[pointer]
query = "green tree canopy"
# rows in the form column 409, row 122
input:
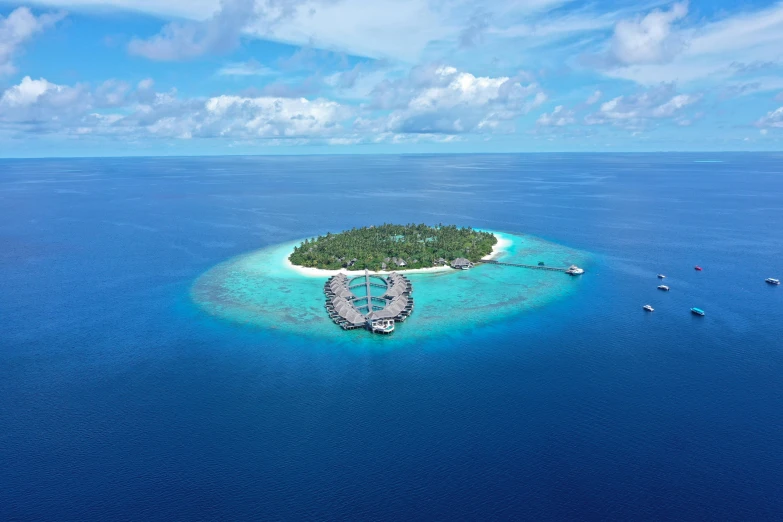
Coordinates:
column 398, row 247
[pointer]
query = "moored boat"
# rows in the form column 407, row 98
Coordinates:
column 574, row 270
column 663, row 287
column 661, row 276
column 649, row 308
column 697, row 267
column 384, row 326
column 772, row 281
column 697, row 311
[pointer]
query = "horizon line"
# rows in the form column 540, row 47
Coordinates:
column 310, row 154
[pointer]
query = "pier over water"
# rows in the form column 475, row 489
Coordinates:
column 350, row 309
column 571, row 270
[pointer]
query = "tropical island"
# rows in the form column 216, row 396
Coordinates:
column 394, row 247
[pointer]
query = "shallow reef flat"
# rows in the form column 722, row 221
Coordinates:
column 261, row 289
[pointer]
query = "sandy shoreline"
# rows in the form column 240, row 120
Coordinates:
column 498, row 248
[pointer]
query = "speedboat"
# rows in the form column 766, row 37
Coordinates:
column 772, row 281
column 649, row 308
column 697, row 267
column 661, row 276
column 663, row 287
column 697, row 311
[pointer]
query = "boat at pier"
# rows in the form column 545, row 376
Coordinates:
column 384, row 326
column 574, row 270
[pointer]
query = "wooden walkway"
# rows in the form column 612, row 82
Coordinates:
column 534, row 267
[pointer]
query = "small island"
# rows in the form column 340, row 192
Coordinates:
column 394, row 247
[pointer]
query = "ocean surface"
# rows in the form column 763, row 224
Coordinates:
column 121, row 398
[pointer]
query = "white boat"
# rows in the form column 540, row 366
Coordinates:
column 384, row 326
column 574, row 270
column 772, row 281
column 661, row 276
column 664, row 288
column 649, row 308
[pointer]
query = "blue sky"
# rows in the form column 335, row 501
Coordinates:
column 181, row 77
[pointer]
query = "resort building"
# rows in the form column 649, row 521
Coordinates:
column 461, row 264
column 371, row 302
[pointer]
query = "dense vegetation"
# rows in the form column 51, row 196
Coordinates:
column 393, row 247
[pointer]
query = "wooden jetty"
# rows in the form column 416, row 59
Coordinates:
column 534, row 267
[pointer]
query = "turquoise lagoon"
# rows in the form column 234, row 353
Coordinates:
column 260, row 289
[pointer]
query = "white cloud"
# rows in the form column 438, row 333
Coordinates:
column 271, row 117
column 40, row 102
column 401, row 30
column 187, row 40
column 674, row 105
column 397, row 29
column 344, row 141
column 594, row 98
column 546, row 29
column 115, row 109
column 18, row 28
column 409, row 138
column 650, row 39
column 559, row 117
column 248, row 68
column 443, row 99
column 711, row 50
column 638, row 110
column 773, row 119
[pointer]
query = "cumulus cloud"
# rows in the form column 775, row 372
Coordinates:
column 651, row 39
column 559, row 117
column 219, row 34
column 443, row 99
column 773, row 119
column 116, row 109
column 16, row 29
column 40, row 103
column 638, row 110
column 747, row 42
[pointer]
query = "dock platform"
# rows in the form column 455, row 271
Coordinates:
column 534, row 267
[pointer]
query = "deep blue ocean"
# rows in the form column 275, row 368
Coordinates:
column 122, row 400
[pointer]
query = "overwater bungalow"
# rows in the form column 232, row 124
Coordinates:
column 351, row 304
column 461, row 264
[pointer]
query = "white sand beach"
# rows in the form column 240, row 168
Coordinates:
column 499, row 247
